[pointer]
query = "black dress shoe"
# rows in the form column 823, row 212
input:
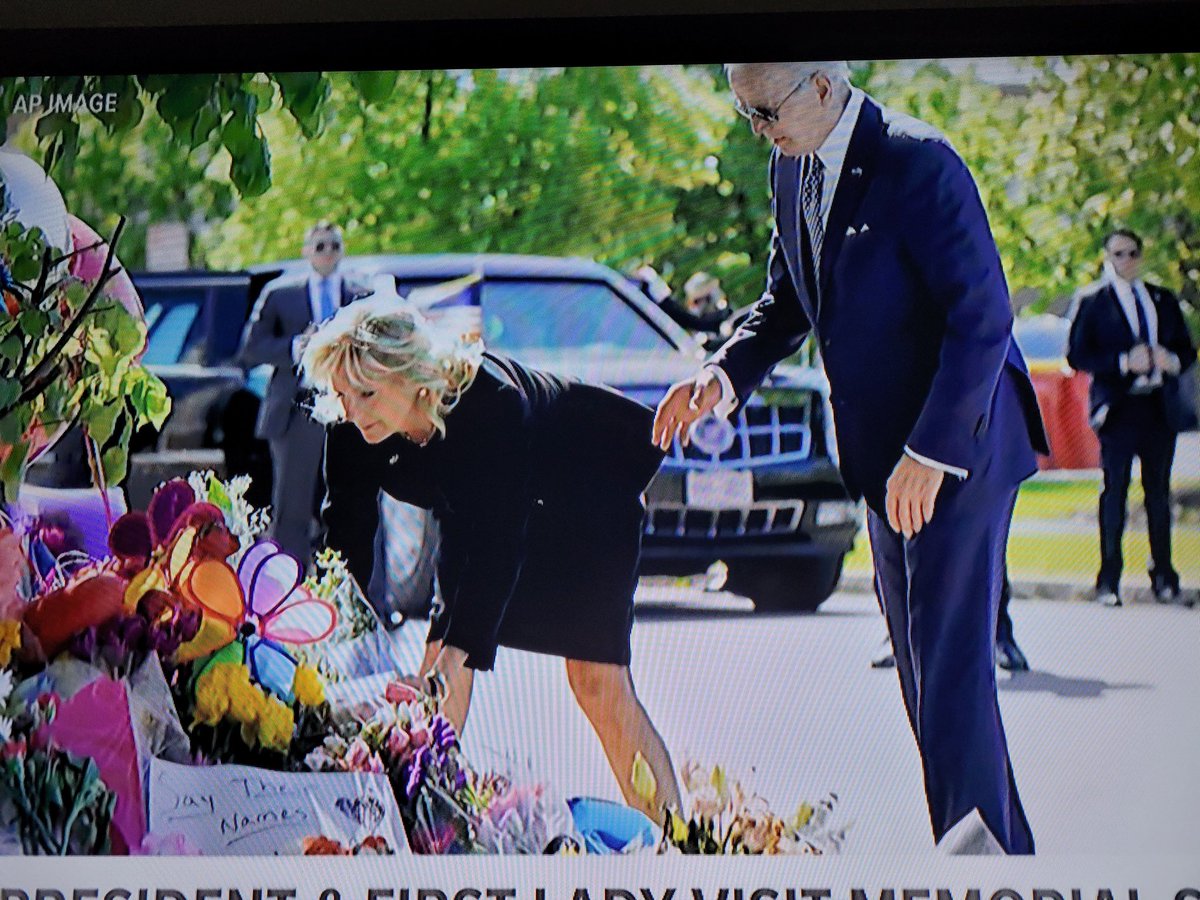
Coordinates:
column 1009, row 657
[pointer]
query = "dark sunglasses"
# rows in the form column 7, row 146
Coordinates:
column 765, row 114
column 334, row 246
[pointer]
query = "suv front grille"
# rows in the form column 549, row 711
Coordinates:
column 763, row 435
column 764, row 518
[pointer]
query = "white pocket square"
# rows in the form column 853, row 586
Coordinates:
column 852, row 230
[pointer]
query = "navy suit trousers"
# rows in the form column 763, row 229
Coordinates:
column 941, row 592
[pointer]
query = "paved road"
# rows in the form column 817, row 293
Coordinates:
column 1104, row 733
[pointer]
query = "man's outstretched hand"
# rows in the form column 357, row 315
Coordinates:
column 684, row 403
column 912, row 492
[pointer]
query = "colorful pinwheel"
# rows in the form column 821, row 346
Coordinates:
column 260, row 608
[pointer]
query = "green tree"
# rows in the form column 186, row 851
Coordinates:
column 1117, row 145
column 174, row 147
column 573, row 161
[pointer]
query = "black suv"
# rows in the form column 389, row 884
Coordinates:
column 760, row 493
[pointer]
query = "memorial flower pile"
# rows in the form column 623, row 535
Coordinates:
column 196, row 643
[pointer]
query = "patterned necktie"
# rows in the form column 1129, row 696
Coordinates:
column 811, row 187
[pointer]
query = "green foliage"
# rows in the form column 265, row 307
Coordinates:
column 626, row 165
column 68, row 353
column 589, row 162
column 174, row 147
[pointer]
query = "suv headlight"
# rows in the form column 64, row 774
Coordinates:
column 836, row 512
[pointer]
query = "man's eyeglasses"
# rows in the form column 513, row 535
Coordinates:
column 764, row 114
column 331, row 246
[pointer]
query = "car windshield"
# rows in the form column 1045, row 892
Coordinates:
column 169, row 321
column 552, row 315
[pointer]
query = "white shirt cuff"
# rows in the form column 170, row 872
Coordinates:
column 934, row 464
column 728, row 402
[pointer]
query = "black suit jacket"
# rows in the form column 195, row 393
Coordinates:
column 281, row 314
column 519, row 443
column 1100, row 333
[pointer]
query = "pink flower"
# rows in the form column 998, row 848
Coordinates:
column 397, row 742
column 419, row 736
column 14, row 749
column 173, row 844
column 398, row 692
column 361, row 758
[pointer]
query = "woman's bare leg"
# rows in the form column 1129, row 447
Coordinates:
column 606, row 695
column 459, row 680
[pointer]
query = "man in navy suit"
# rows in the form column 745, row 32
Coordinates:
column 883, row 252
column 1132, row 338
column 284, row 314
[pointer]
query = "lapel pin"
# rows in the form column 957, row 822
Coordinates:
column 395, row 459
column 856, row 171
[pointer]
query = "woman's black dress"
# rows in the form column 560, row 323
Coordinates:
column 537, row 489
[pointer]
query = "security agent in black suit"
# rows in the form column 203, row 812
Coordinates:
column 284, row 313
column 1132, row 338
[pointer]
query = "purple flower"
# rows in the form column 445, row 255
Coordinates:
column 416, row 773
column 444, row 736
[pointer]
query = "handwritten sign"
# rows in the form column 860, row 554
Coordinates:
column 240, row 810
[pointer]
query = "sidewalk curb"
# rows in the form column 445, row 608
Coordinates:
column 1032, row 588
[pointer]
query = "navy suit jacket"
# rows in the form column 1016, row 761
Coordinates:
column 281, row 314
column 913, row 318
column 1100, row 333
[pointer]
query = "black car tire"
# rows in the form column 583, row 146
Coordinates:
column 780, row 584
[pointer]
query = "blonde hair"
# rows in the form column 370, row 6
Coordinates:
column 378, row 338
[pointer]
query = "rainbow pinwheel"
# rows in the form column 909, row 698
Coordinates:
column 249, row 615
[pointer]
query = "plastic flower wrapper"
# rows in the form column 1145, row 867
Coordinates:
column 515, row 816
column 359, row 645
column 408, row 739
column 95, row 725
column 723, row 818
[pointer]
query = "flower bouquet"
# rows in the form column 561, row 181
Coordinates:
column 55, row 801
column 722, row 818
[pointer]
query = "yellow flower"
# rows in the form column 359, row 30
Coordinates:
column 679, row 828
column 212, row 699
column 275, row 726
column 642, row 779
column 246, row 702
column 10, row 639
column 308, row 687
column 803, row 816
column 215, row 690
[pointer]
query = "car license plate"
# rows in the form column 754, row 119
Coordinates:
column 720, row 489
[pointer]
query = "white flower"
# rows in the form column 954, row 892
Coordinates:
column 6, row 684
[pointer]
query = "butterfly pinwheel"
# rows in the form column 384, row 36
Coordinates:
column 249, row 615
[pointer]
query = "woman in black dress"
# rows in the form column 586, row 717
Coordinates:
column 536, row 484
